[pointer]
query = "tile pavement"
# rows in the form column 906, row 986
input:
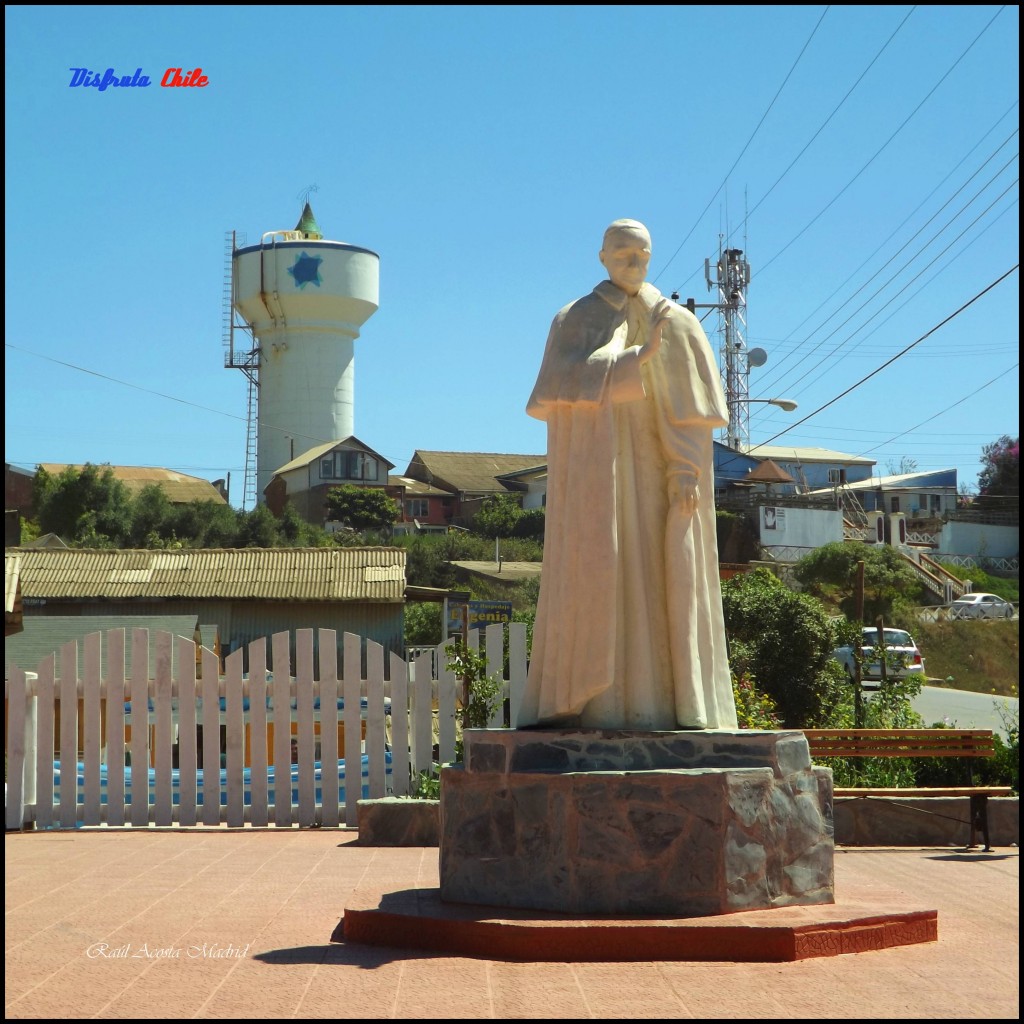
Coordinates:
column 212, row 923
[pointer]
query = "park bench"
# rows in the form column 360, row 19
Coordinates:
column 914, row 743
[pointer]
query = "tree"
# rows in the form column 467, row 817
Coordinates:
column 152, row 518
column 1000, row 474
column 887, row 577
column 86, row 507
column 905, row 465
column 498, row 516
column 362, row 508
column 783, row 641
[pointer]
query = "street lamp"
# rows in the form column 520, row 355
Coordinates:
column 785, row 404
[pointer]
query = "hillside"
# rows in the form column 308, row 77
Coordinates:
column 983, row 657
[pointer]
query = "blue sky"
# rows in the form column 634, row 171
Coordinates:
column 863, row 157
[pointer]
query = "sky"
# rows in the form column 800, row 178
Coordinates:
column 863, row 157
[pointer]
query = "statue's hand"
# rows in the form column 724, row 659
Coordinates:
column 658, row 317
column 683, row 494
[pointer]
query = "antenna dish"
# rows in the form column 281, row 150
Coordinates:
column 757, row 357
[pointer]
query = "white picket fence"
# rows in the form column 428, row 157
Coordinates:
column 88, row 775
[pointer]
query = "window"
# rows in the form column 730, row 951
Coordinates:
column 416, row 508
column 348, row 465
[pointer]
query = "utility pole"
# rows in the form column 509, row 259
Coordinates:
column 858, row 606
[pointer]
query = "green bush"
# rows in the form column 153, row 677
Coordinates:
column 784, row 641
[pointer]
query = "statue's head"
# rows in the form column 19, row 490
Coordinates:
column 625, row 253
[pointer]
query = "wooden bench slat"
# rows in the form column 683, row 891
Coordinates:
column 901, row 742
column 917, row 794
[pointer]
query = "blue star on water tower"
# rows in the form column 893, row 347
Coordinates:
column 306, row 270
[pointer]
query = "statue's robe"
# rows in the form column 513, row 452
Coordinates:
column 629, row 631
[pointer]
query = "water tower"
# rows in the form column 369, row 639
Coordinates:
column 303, row 299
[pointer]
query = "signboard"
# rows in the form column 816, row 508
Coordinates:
column 774, row 518
column 479, row 614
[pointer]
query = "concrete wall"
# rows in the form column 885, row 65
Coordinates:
column 798, row 527
column 976, row 539
column 935, row 821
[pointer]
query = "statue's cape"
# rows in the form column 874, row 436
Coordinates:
column 583, row 364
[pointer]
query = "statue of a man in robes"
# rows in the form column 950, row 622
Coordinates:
column 629, row 631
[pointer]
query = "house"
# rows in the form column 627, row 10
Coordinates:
column 425, row 508
column 245, row 594
column 18, row 486
column 468, row 477
column 304, row 482
column 921, row 495
column 811, row 468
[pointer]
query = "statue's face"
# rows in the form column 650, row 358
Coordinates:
column 625, row 256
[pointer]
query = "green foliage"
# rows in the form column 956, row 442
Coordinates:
column 206, row 524
column 983, row 582
column 531, row 523
column 498, row 516
column 89, row 508
column 888, row 580
column 362, row 508
column 422, row 624
column 1000, row 473
column 501, row 516
column 428, row 786
column 754, row 710
column 889, row 707
column 484, row 690
column 152, row 520
column 784, row 641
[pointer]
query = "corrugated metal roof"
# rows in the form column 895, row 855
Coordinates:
column 180, row 488
column 417, row 487
column 782, row 453
column 469, row 472
column 283, row 574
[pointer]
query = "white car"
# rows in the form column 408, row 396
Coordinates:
column 981, row 606
column 902, row 657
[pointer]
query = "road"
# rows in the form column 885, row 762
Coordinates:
column 965, row 709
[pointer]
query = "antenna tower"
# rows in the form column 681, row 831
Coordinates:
column 241, row 353
column 731, row 278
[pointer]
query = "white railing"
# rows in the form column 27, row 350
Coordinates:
column 982, row 562
column 173, row 771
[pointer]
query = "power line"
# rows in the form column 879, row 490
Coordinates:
column 902, row 290
column 746, row 145
column 884, row 145
column 889, row 362
column 942, row 412
column 778, row 366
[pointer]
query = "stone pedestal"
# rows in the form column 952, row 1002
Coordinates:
column 677, row 824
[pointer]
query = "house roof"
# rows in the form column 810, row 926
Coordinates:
column 768, row 473
column 312, row 454
column 369, row 574
column 45, row 634
column 784, row 453
column 179, row 487
column 912, row 481
column 417, row 488
column 468, row 472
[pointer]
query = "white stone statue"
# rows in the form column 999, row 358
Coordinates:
column 629, row 631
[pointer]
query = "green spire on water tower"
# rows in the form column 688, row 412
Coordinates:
column 308, row 225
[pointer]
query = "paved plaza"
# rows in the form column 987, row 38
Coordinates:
column 211, row 923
